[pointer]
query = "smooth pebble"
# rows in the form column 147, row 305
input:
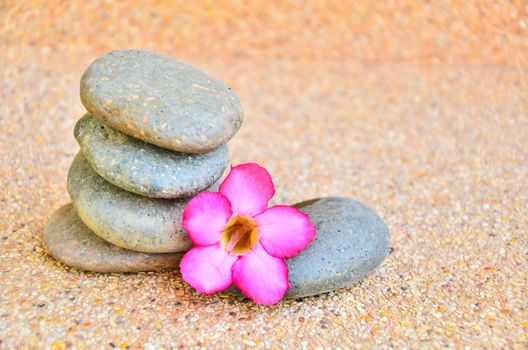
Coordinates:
column 144, row 168
column 128, row 220
column 351, row 242
column 161, row 100
column 68, row 240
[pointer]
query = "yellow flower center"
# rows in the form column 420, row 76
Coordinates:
column 239, row 236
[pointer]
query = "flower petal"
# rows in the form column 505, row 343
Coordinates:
column 261, row 277
column 205, row 216
column 284, row 231
column 207, row 269
column 248, row 187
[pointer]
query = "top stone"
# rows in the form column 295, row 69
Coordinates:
column 161, row 100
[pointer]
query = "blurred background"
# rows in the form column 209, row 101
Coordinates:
column 417, row 108
column 363, row 31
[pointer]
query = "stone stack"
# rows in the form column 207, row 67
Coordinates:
column 153, row 138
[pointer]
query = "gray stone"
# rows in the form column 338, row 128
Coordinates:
column 161, row 100
column 351, row 242
column 71, row 242
column 146, row 169
column 128, row 220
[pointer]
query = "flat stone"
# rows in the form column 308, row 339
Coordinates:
column 351, row 242
column 161, row 100
column 143, row 168
column 128, row 220
column 71, row 242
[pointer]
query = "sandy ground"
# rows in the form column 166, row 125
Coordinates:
column 418, row 109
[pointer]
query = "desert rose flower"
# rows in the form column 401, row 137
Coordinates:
column 239, row 240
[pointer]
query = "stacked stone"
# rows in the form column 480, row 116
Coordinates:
column 153, row 138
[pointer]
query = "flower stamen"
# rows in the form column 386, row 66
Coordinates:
column 239, row 236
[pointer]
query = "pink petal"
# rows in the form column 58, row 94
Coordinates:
column 261, row 277
column 249, row 187
column 205, row 216
column 284, row 231
column 207, row 269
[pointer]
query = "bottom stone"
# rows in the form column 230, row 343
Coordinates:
column 71, row 242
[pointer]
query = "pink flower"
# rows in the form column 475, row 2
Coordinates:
column 239, row 240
